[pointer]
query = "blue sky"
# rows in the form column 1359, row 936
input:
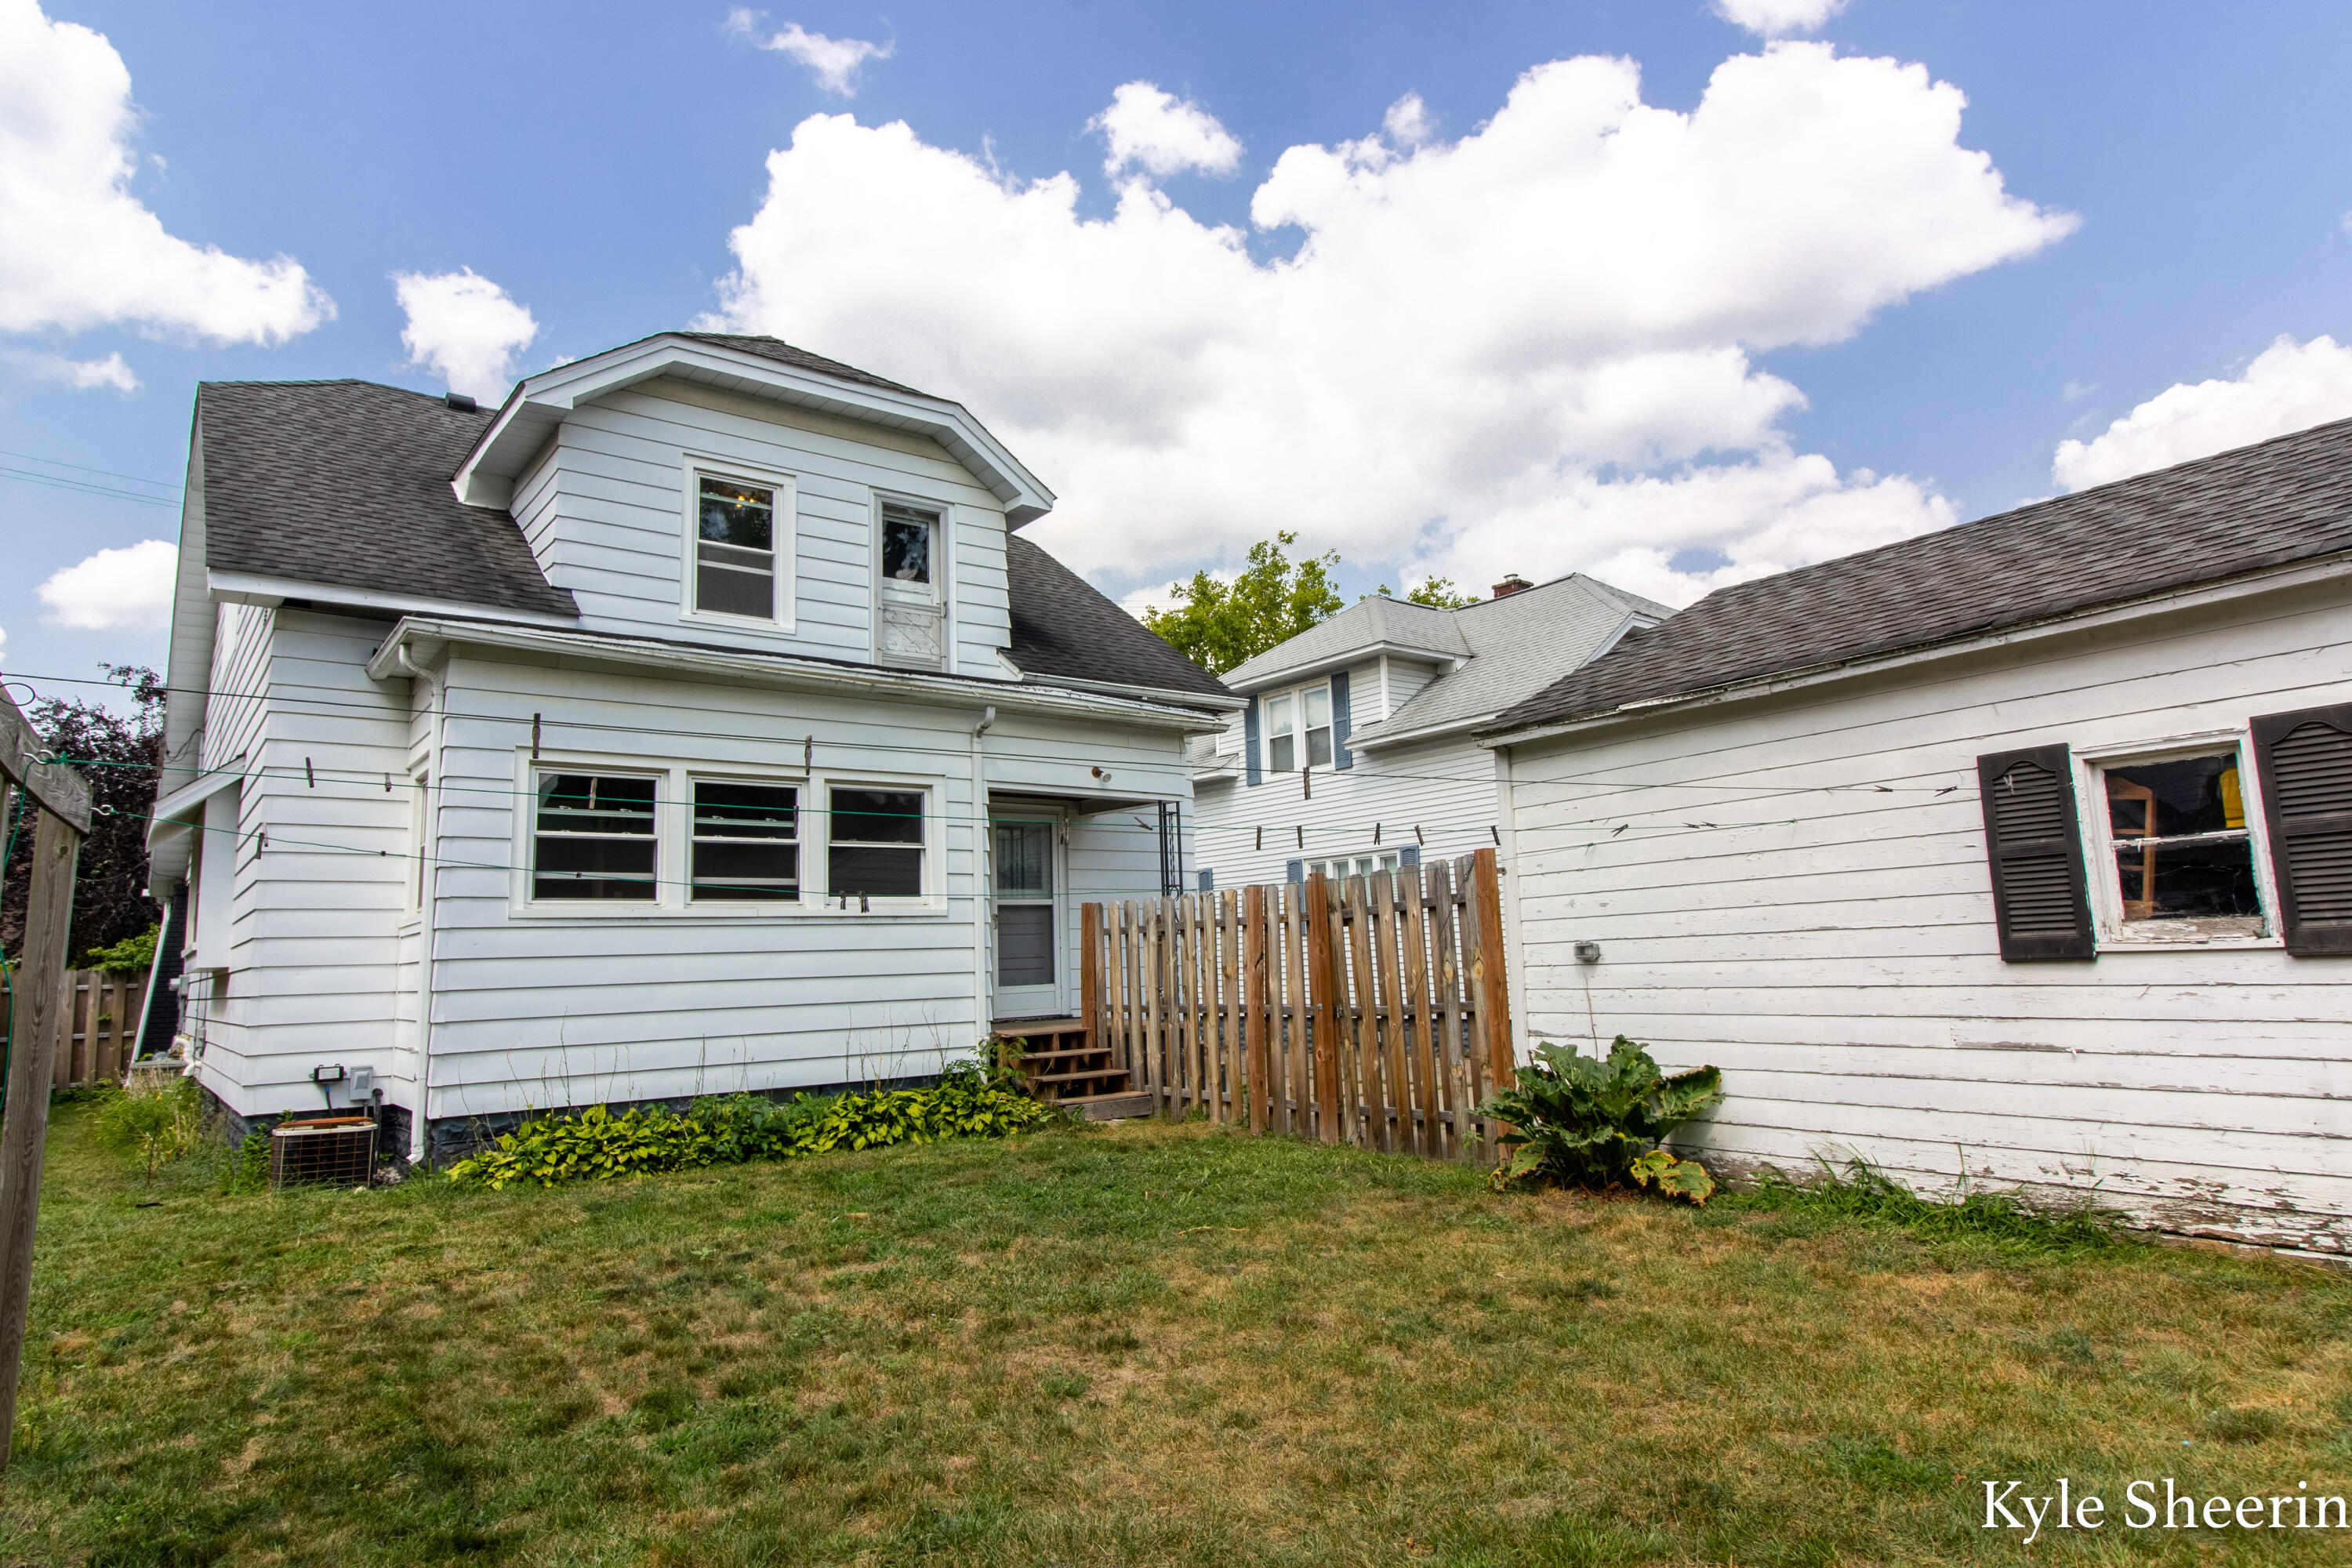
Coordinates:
column 2172, row 197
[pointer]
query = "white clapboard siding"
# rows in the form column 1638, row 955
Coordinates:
column 1834, row 949
column 535, row 1009
column 604, row 510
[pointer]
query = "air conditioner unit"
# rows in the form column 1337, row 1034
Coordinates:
column 338, row 1149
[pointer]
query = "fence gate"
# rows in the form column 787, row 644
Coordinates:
column 1371, row 1010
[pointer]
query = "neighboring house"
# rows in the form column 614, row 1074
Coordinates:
column 1355, row 753
column 2020, row 852
column 695, row 721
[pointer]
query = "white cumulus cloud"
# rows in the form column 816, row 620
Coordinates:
column 464, row 326
column 82, row 374
column 833, row 61
column 1527, row 349
column 77, row 248
column 2287, row 386
column 125, row 589
column 1163, row 134
column 1776, row 19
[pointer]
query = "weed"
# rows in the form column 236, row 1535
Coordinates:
column 1862, row 1191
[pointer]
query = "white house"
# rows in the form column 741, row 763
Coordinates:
column 695, row 721
column 2021, row 851
column 1355, row 751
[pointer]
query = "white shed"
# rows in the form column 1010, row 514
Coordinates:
column 2020, row 852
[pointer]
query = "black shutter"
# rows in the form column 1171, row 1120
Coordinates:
column 1250, row 773
column 2305, row 763
column 1340, row 722
column 1409, row 857
column 2035, row 846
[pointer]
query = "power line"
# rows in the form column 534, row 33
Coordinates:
column 86, row 469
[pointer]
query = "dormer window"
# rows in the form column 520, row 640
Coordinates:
column 1298, row 723
column 735, row 548
column 911, row 611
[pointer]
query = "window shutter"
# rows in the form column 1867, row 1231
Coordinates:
column 1295, row 871
column 1409, row 857
column 1250, row 764
column 2035, row 845
column 2305, row 763
column 1208, row 880
column 1341, row 756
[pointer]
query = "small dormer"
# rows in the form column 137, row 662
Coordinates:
column 738, row 491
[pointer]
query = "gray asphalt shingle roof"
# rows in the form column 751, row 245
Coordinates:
column 784, row 353
column 346, row 484
column 1062, row 624
column 2259, row 507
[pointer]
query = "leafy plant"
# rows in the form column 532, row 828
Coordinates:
column 1863, row 1192
column 1220, row 625
column 598, row 1143
column 150, row 1120
column 247, row 1169
column 1596, row 1121
column 131, row 955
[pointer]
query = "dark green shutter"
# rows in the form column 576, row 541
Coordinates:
column 2035, row 845
column 1250, row 773
column 1342, row 721
column 2306, row 762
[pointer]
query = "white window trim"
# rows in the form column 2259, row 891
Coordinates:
column 785, row 526
column 1299, row 729
column 942, row 571
column 2099, row 843
column 673, row 835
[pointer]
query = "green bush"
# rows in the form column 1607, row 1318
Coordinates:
column 1596, row 1121
column 152, row 1120
column 597, row 1144
column 131, row 955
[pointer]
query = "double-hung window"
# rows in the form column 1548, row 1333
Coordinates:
column 735, row 548
column 2180, row 854
column 593, row 837
column 875, row 843
column 1298, row 726
column 746, row 843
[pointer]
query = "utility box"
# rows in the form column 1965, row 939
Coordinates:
column 338, row 1149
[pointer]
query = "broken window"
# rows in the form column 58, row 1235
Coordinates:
column 876, row 844
column 2183, row 857
column 746, row 842
column 593, row 837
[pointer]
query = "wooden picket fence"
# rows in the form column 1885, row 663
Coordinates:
column 1371, row 1011
column 98, row 1025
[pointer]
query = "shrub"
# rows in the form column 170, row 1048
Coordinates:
column 131, row 955
column 151, row 1120
column 1596, row 1121
column 597, row 1143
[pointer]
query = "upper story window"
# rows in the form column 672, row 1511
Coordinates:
column 910, row 611
column 735, row 548
column 593, row 837
column 1298, row 727
column 2181, row 855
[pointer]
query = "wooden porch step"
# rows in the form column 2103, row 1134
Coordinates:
column 1067, row 1051
column 1083, row 1075
column 1112, row 1107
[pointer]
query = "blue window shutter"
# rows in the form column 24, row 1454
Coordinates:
column 1295, row 871
column 1409, row 857
column 1249, row 744
column 1208, row 881
column 1341, row 756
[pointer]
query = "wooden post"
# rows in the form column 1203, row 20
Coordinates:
column 1488, row 974
column 64, row 810
column 1328, row 1000
column 1090, row 977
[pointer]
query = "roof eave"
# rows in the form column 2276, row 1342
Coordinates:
column 541, row 403
column 1341, row 659
column 2322, row 569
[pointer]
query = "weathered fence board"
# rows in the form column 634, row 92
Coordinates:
column 97, row 1024
column 1373, row 1011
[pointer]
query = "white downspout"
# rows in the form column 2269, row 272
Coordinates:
column 980, row 838
column 431, row 882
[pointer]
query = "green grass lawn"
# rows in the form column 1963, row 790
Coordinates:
column 1146, row 1345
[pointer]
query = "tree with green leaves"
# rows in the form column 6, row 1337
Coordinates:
column 1437, row 592
column 118, row 754
column 1220, row 625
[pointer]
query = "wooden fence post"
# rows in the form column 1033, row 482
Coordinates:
column 1090, row 975
column 1327, row 999
column 1490, row 975
column 1252, row 1000
column 64, row 809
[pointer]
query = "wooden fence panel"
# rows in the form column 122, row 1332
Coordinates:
column 1374, row 1012
column 98, row 1018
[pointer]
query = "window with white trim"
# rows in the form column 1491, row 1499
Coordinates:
column 874, row 842
column 744, row 843
column 1298, row 726
column 2180, row 859
column 1346, row 866
column 734, row 548
column 596, row 835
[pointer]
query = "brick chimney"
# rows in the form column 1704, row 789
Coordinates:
column 1510, row 585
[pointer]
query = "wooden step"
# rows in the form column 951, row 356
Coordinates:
column 1112, row 1107
column 1082, row 1076
column 1027, row 1057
